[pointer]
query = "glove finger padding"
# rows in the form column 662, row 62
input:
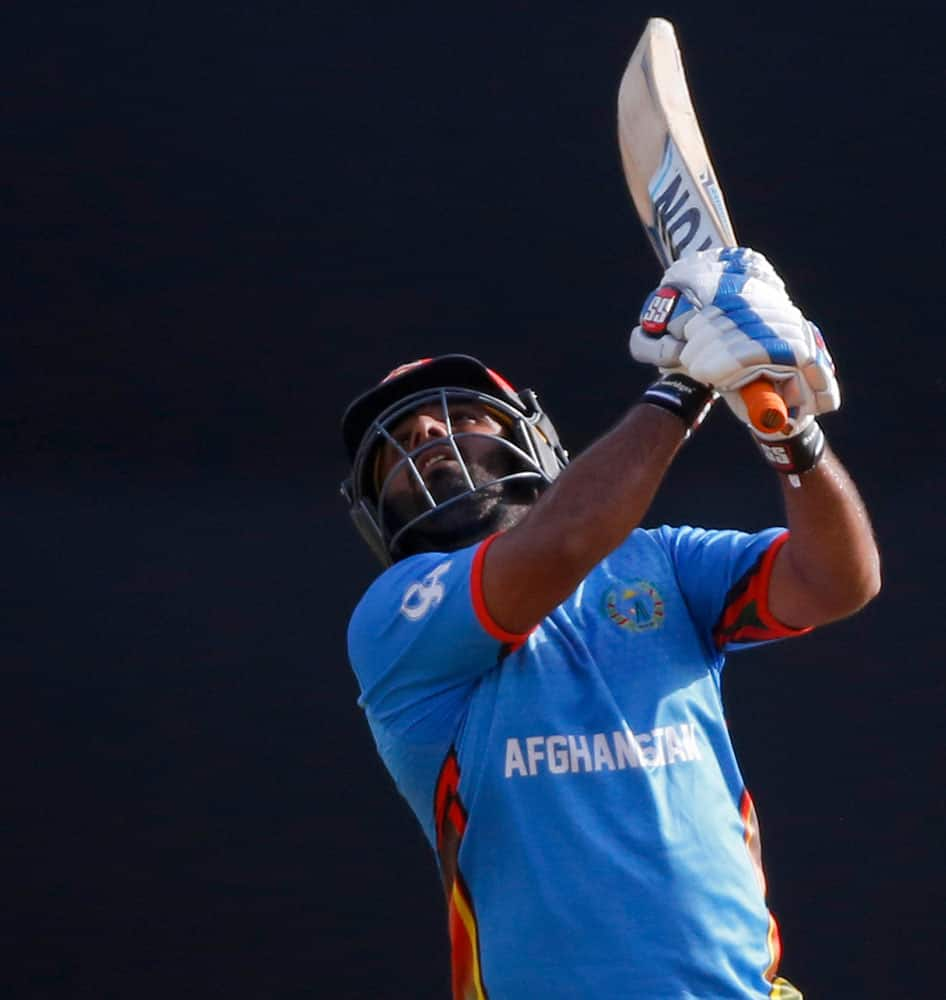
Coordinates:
column 719, row 350
column 728, row 358
column 664, row 352
column 704, row 275
column 749, row 328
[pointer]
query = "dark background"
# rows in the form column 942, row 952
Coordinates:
column 222, row 224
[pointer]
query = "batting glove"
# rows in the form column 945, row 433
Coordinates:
column 658, row 340
column 746, row 327
column 688, row 285
column 724, row 318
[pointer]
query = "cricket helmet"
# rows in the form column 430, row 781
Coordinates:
column 532, row 455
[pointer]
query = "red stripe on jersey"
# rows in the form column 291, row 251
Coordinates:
column 447, row 800
column 746, row 615
column 450, row 819
column 511, row 639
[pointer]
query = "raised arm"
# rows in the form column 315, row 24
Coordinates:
column 721, row 319
column 598, row 500
column 587, row 512
column 749, row 327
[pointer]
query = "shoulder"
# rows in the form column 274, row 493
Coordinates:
column 693, row 543
column 411, row 586
column 416, row 628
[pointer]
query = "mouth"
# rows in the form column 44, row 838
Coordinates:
column 433, row 458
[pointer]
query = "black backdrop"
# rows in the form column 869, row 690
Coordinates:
column 221, row 225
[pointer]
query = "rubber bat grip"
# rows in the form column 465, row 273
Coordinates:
column 765, row 406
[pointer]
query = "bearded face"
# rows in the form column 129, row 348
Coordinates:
column 430, row 500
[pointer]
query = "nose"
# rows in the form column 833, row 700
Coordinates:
column 425, row 429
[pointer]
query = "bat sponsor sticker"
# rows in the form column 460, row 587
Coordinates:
column 683, row 207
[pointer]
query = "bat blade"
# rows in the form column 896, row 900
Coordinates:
column 670, row 176
column 666, row 163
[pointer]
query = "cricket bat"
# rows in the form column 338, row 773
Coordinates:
column 670, row 177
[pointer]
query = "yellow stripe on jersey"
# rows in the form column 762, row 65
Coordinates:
column 782, row 989
column 464, row 938
column 774, row 944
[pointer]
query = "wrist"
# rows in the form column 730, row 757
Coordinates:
column 682, row 396
column 794, row 455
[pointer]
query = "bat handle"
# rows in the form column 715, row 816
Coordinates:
column 765, row 406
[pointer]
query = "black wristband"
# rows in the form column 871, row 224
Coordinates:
column 796, row 454
column 681, row 395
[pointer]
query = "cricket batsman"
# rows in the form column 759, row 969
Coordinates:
column 542, row 675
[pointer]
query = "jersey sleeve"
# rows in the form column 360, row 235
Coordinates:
column 724, row 577
column 421, row 636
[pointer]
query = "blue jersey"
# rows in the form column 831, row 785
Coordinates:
column 578, row 784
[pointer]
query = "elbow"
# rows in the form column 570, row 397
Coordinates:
column 861, row 589
column 870, row 586
column 870, row 579
column 862, row 579
column 833, row 597
column 859, row 598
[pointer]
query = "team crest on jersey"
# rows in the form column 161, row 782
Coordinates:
column 636, row 606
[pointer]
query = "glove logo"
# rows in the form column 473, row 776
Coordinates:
column 425, row 594
column 636, row 606
column 775, row 454
column 657, row 311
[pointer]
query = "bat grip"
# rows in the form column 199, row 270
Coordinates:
column 765, row 406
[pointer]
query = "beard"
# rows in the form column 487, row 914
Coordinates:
column 462, row 517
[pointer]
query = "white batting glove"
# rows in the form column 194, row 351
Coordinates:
column 660, row 338
column 739, row 324
column 652, row 344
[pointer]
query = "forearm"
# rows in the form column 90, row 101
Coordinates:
column 830, row 566
column 605, row 492
column 586, row 513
